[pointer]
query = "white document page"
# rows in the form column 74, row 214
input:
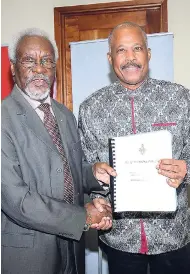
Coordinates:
column 138, row 186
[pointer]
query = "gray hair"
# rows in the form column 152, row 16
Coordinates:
column 127, row 25
column 12, row 50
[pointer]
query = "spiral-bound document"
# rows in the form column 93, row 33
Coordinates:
column 138, row 186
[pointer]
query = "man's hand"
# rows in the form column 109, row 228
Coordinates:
column 102, row 172
column 106, row 222
column 95, row 217
column 175, row 170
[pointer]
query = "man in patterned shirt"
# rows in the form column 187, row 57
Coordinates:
column 136, row 104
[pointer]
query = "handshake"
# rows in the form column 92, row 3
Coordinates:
column 99, row 214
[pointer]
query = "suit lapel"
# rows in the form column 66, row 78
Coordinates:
column 31, row 120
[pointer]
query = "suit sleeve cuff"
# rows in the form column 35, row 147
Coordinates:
column 94, row 183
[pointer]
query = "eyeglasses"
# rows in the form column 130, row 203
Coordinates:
column 31, row 63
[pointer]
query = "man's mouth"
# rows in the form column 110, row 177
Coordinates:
column 133, row 67
column 39, row 82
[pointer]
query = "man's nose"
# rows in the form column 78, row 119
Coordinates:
column 38, row 68
column 130, row 55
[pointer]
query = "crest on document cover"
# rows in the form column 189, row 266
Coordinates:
column 142, row 149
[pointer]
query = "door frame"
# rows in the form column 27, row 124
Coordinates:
column 60, row 13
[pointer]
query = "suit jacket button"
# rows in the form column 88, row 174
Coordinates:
column 59, row 170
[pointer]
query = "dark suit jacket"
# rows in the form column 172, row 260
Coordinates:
column 34, row 215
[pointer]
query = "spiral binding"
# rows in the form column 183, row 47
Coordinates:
column 112, row 157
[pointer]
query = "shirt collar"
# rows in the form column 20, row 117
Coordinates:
column 34, row 104
column 140, row 89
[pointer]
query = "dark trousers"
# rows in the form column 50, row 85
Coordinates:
column 67, row 256
column 174, row 262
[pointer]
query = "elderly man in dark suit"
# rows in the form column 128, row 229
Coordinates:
column 43, row 170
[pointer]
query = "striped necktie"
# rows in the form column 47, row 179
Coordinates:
column 52, row 128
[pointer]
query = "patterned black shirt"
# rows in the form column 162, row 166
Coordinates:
column 116, row 111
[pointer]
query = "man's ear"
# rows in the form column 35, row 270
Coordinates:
column 12, row 68
column 109, row 57
column 149, row 54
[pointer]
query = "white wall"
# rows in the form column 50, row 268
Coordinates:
column 19, row 14
column 179, row 24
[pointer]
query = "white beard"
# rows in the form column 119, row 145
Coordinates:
column 37, row 95
column 35, row 92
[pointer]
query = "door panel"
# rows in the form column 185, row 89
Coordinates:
column 93, row 34
column 107, row 21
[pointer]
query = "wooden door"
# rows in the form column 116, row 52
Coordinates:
column 89, row 22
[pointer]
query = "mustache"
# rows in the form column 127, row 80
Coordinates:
column 38, row 77
column 130, row 64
